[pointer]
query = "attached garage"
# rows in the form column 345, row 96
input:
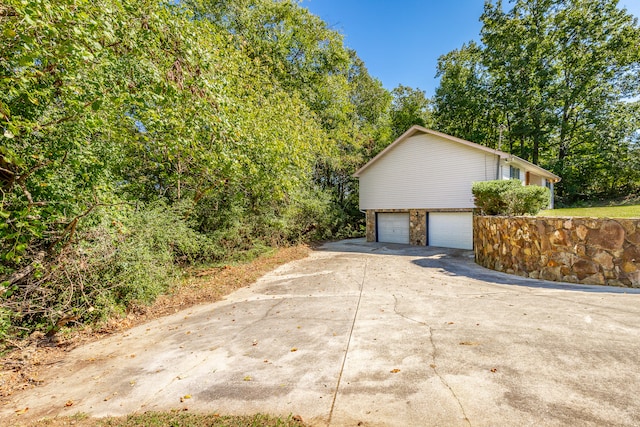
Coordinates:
column 418, row 189
column 451, row 229
column 393, row 227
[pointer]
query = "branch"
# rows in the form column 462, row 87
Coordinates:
column 65, row 118
column 18, row 277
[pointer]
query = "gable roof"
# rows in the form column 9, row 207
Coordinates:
column 419, row 129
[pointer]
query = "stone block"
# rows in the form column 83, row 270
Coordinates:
column 634, row 238
column 604, row 259
column 551, row 273
column 628, row 225
column 631, row 254
column 584, row 268
column 582, row 231
column 609, row 236
column 559, row 238
column 594, row 279
column 635, row 279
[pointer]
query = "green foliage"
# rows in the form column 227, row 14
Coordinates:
column 140, row 137
column 5, row 324
column 527, row 200
column 410, row 107
column 556, row 84
column 509, row 197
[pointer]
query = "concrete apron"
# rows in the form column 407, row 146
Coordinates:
column 372, row 334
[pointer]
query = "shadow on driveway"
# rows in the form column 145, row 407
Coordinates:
column 459, row 262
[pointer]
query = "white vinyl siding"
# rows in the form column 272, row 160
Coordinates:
column 451, row 229
column 425, row 172
column 393, row 227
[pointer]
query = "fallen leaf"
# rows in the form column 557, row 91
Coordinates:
column 294, row 349
column 494, row 370
column 247, row 378
column 21, row 411
column 69, row 403
column 432, row 366
column 449, row 323
column 395, row 371
column 469, row 343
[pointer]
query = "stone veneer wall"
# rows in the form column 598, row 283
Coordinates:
column 596, row 251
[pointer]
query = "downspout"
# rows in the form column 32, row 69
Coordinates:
column 500, row 128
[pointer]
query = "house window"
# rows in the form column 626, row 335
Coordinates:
column 514, row 173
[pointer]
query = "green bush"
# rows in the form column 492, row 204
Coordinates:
column 527, row 200
column 111, row 266
column 509, row 197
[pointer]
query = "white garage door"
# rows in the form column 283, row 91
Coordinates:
column 393, row 227
column 451, row 229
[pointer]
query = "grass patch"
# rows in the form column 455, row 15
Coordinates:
column 181, row 419
column 629, row 211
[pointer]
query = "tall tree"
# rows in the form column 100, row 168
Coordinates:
column 463, row 105
column 557, row 76
column 409, row 107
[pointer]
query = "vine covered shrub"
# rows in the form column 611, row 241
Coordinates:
column 509, row 197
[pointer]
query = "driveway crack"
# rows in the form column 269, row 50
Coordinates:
column 444, row 382
column 433, row 364
column 346, row 352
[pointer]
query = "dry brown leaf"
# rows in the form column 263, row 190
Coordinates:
column 294, row 349
column 395, row 371
column 469, row 343
column 21, row 411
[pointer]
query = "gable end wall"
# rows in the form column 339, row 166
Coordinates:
column 425, row 172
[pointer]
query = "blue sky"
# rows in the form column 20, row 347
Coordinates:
column 400, row 40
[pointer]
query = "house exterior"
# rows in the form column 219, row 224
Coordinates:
column 418, row 189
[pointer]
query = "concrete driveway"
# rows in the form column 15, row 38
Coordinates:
column 372, row 334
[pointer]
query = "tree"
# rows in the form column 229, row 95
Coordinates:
column 463, row 105
column 409, row 107
column 557, row 77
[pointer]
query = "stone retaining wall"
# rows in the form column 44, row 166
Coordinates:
column 596, row 251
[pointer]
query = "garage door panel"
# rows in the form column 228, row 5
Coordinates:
column 451, row 229
column 393, row 227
